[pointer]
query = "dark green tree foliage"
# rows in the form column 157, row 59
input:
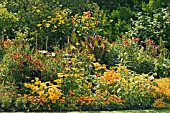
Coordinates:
column 114, row 4
column 7, row 20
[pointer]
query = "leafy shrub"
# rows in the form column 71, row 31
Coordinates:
column 139, row 56
column 120, row 22
column 7, row 20
column 127, row 51
column 8, row 94
column 153, row 26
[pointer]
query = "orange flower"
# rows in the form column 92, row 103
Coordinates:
column 2, row 93
column 19, row 95
column 71, row 92
column 73, row 19
column 25, row 96
column 87, row 13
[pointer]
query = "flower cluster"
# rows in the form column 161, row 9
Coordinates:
column 109, row 77
column 47, row 91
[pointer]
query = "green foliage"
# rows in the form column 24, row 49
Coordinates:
column 112, row 5
column 77, row 6
column 8, row 95
column 120, row 22
column 154, row 5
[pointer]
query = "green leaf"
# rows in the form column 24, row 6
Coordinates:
column 89, row 49
column 83, row 44
column 72, row 47
column 74, row 38
column 96, row 42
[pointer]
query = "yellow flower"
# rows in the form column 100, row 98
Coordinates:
column 39, row 25
column 54, row 31
column 47, row 25
column 44, row 21
column 35, row 89
column 74, row 69
column 96, row 64
column 50, row 90
column 51, row 97
column 55, row 26
column 82, row 69
column 60, row 75
column 37, row 82
column 41, row 93
column 68, row 69
column 49, row 17
column 36, row 79
column 26, row 85
column 58, row 81
column 111, row 20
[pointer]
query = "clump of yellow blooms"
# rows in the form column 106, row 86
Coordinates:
column 59, row 18
column 47, row 93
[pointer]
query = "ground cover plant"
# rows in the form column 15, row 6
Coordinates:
column 59, row 58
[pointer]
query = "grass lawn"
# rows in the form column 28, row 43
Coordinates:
column 121, row 111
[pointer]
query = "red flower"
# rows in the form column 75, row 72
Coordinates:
column 125, row 42
column 73, row 20
column 148, row 41
column 97, row 23
column 136, row 39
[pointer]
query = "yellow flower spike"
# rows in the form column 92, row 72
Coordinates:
column 32, row 80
